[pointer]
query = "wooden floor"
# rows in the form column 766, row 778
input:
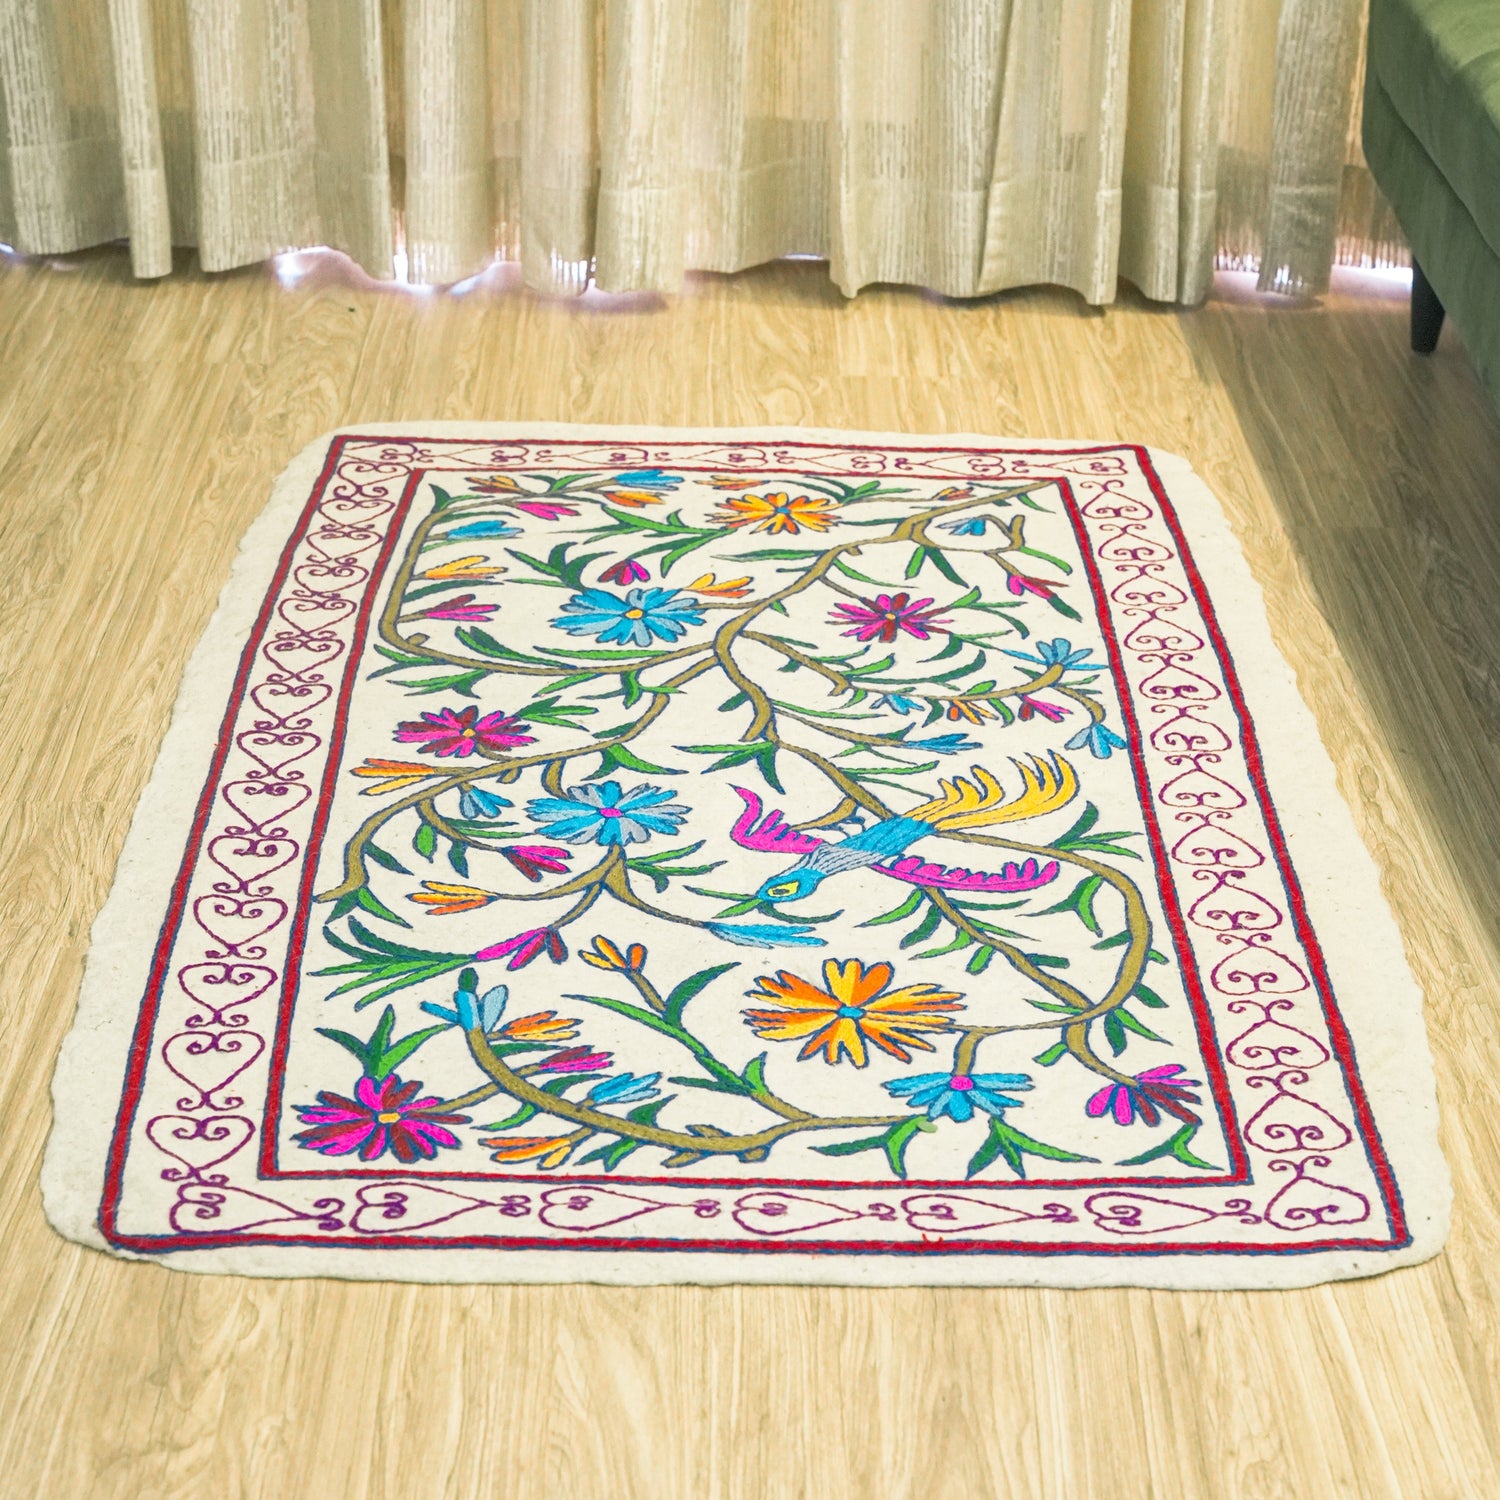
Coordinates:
column 140, row 429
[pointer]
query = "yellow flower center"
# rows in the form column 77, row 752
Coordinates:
column 390, row 1117
column 634, row 614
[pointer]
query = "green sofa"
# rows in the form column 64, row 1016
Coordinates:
column 1432, row 138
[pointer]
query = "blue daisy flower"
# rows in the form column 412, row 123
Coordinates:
column 969, row 525
column 947, row 744
column 625, row 1088
column 475, row 802
column 483, row 528
column 471, row 1011
column 604, row 814
column 1060, row 653
column 1097, row 740
column 958, row 1095
column 634, row 618
column 765, row 934
column 657, row 480
column 899, row 703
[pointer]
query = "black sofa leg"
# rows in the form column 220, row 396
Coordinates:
column 1426, row 313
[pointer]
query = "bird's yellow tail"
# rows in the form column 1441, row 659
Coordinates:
column 1046, row 785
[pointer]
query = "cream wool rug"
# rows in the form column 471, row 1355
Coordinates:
column 706, row 856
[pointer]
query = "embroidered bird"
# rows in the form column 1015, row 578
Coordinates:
column 1046, row 785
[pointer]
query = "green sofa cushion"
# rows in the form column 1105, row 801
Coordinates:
column 1438, row 62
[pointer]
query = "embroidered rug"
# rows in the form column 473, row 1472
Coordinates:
column 591, row 854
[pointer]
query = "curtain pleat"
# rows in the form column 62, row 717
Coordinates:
column 962, row 145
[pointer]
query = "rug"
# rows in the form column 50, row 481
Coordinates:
column 708, row 856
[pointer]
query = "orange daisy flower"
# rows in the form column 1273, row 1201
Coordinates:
column 970, row 710
column 607, row 955
column 731, row 588
column 779, row 514
column 544, row 1026
column 852, row 1008
column 631, row 499
column 547, row 1151
column 471, row 568
column 445, row 899
column 395, row 775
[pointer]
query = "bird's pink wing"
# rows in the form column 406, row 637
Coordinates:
column 769, row 834
column 1027, row 876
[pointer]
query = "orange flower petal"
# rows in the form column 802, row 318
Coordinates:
column 785, row 1026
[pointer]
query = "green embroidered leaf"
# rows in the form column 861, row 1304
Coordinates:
column 923, row 930
column 893, row 1141
column 377, row 1055
column 524, row 1112
column 424, row 841
column 907, row 908
column 482, row 642
column 962, row 940
column 384, row 860
column 623, row 758
column 689, row 989
column 1054, row 1053
column 1130, row 1023
column 396, row 1054
column 778, row 554
column 1178, row 1147
column 550, row 711
column 955, row 644
column 715, row 1087
column 450, row 682
column 1086, row 821
column 1114, row 1032
column 1047, row 557
column 1080, row 901
column 370, row 902
column 762, row 752
column 898, row 1138
column 1048, row 960
column 944, row 567
column 1015, row 1145
column 1121, row 938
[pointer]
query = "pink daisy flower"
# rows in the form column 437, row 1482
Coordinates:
column 887, row 614
column 1155, row 1090
column 525, row 946
column 457, row 607
column 629, row 571
column 544, row 510
column 533, row 860
column 450, row 733
column 383, row 1116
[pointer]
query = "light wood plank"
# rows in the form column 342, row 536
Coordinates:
column 140, row 430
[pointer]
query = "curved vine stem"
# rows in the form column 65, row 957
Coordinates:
column 688, row 1144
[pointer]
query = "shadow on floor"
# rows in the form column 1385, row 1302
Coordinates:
column 1389, row 486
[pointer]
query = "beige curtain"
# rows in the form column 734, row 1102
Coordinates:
column 962, row 145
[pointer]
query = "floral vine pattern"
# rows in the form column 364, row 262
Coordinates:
column 773, row 846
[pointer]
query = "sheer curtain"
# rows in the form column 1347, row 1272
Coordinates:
column 962, row 145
